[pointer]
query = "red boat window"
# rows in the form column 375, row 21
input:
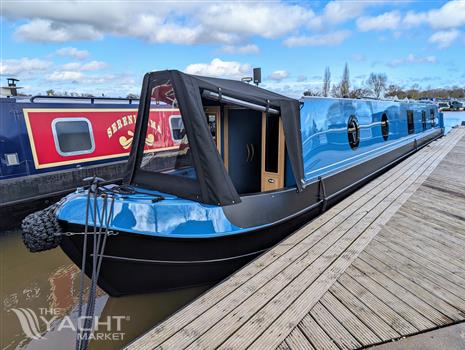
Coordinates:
column 177, row 128
column 73, row 136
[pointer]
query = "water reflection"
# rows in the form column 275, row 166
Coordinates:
column 49, row 281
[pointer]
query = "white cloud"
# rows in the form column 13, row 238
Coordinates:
column 278, row 75
column 77, row 66
column 318, row 39
column 245, row 49
column 359, row 57
column 341, row 11
column 219, row 68
column 73, row 52
column 412, row 59
column 23, row 66
column 337, row 12
column 41, row 30
column 450, row 15
column 183, row 22
column 255, row 18
column 388, row 20
column 65, row 75
column 444, row 38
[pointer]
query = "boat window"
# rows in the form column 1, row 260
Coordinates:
column 211, row 120
column 410, row 125
column 73, row 136
column 177, row 128
column 432, row 118
column 423, row 119
column 166, row 148
column 353, row 132
column 272, row 143
column 385, row 126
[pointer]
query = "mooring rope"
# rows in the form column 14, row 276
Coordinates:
column 104, row 217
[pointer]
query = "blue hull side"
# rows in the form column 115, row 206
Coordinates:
column 324, row 124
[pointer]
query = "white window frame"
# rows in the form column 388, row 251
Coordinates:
column 171, row 126
column 57, row 143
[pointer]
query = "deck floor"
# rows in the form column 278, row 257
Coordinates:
column 386, row 262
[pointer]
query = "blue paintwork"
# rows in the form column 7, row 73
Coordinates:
column 137, row 213
column 325, row 150
column 14, row 138
column 324, row 121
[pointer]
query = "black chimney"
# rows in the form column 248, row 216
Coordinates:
column 12, row 86
column 257, row 76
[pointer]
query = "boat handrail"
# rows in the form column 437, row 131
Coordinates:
column 91, row 98
column 224, row 98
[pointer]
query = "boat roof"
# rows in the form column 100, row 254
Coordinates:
column 214, row 184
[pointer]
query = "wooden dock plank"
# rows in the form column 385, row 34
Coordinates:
column 435, row 245
column 283, row 346
column 357, row 328
column 426, row 248
column 289, row 297
column 423, row 279
column 431, row 306
column 297, row 341
column 333, row 327
column 315, row 334
column 413, row 253
column 390, row 308
column 373, row 313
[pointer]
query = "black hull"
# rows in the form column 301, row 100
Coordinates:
column 135, row 263
column 154, row 264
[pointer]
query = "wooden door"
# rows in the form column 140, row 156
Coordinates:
column 273, row 148
column 244, row 149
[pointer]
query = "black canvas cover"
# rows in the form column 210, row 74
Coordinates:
column 212, row 184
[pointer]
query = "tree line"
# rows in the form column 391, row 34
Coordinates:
column 376, row 86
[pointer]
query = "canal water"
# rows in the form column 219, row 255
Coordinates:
column 452, row 119
column 46, row 285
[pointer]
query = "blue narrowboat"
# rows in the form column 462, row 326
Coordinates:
column 252, row 166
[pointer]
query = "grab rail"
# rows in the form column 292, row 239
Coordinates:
column 223, row 98
column 92, row 99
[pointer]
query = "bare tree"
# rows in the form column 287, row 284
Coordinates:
column 377, row 83
column 336, row 90
column 345, row 82
column 312, row 92
column 326, row 82
column 358, row 92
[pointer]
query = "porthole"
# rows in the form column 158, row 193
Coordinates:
column 385, row 126
column 353, row 132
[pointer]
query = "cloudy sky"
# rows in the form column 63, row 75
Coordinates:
column 106, row 46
